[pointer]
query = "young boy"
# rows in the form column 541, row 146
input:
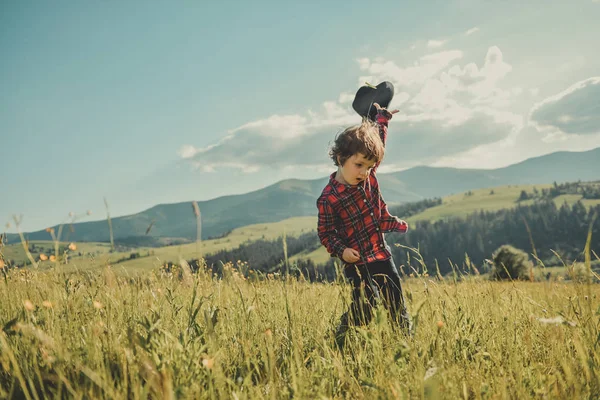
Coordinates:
column 352, row 219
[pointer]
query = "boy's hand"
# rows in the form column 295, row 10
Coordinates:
column 350, row 255
column 384, row 111
column 403, row 225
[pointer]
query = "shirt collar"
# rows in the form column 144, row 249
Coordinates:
column 340, row 187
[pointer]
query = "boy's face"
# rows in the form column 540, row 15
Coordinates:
column 356, row 169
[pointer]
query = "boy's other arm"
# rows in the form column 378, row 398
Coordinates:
column 390, row 223
column 326, row 229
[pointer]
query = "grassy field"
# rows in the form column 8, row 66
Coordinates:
column 98, row 335
column 461, row 205
column 94, row 255
column 130, row 330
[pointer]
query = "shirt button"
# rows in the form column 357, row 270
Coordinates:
column 377, row 229
column 371, row 213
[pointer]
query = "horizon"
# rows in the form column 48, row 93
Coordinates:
column 154, row 110
column 312, row 179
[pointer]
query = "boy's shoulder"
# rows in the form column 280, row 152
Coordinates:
column 329, row 194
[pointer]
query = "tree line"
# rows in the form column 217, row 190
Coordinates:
column 542, row 229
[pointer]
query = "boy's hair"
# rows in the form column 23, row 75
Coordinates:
column 363, row 138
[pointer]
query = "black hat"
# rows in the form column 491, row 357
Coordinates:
column 367, row 95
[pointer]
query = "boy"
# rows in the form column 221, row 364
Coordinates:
column 352, row 219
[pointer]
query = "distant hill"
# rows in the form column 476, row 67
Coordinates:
column 294, row 197
column 556, row 167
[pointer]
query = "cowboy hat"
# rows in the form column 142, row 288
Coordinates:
column 367, row 95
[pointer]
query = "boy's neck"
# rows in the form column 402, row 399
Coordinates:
column 339, row 177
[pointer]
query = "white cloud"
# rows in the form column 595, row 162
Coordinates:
column 187, row 151
column 434, row 44
column 471, row 31
column 566, row 121
column 445, row 110
column 277, row 141
column 574, row 111
column 399, row 99
column 482, row 83
column 426, row 141
column 287, row 126
column 423, row 69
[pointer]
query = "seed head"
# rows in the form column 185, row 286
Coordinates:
column 208, row 362
column 196, row 209
column 28, row 305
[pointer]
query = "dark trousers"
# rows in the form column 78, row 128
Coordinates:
column 372, row 283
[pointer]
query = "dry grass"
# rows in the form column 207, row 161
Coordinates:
column 98, row 335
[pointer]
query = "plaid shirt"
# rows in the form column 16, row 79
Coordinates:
column 357, row 216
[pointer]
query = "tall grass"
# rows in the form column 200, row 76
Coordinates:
column 110, row 230
column 99, row 335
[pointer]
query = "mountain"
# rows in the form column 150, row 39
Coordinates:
column 295, row 197
column 555, row 167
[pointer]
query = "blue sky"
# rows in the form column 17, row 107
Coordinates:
column 158, row 102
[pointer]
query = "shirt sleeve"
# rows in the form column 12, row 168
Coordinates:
column 327, row 230
column 388, row 222
column 382, row 119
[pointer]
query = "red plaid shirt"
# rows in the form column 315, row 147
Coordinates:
column 357, row 216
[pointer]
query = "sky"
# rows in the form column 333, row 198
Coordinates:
column 145, row 103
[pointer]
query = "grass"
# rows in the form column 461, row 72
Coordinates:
column 16, row 251
column 97, row 335
column 82, row 330
column 319, row 256
column 461, row 205
column 102, row 256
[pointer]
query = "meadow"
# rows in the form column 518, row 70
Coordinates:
column 91, row 256
column 97, row 334
column 91, row 326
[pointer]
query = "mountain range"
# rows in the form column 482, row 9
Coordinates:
column 295, row 197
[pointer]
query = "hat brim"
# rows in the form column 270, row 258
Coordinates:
column 367, row 95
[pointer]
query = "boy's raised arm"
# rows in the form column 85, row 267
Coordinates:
column 326, row 230
column 382, row 119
